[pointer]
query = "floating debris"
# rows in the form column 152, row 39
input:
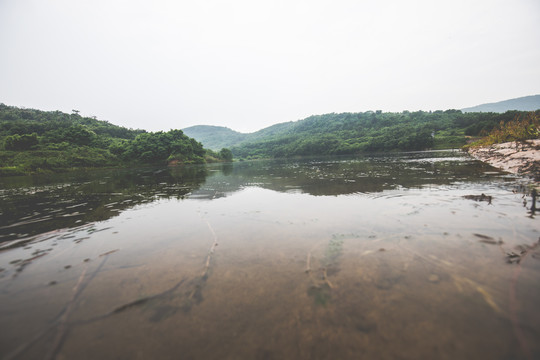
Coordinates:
column 482, row 197
column 488, row 239
column 109, row 252
column 533, row 208
column 491, row 241
column 515, row 257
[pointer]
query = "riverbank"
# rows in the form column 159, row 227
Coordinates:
column 522, row 159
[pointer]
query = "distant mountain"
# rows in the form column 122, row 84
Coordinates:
column 219, row 137
column 525, row 103
column 215, row 137
column 353, row 133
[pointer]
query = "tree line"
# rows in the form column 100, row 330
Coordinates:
column 353, row 133
column 40, row 141
column 35, row 141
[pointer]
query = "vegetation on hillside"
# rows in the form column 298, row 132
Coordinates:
column 352, row 133
column 38, row 141
column 522, row 127
column 214, row 137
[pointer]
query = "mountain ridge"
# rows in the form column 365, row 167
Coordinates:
column 524, row 103
column 218, row 137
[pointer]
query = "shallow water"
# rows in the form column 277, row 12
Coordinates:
column 374, row 257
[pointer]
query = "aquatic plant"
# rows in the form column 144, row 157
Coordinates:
column 321, row 294
column 333, row 252
column 321, row 287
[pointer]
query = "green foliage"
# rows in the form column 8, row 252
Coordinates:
column 522, row 127
column 78, row 134
column 226, row 154
column 20, row 142
column 161, row 147
column 39, row 161
column 353, row 133
column 214, row 137
column 35, row 141
column 340, row 134
column 39, row 141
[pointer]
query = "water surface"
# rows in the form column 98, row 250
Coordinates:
column 387, row 256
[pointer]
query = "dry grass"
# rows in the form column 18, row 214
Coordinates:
column 521, row 128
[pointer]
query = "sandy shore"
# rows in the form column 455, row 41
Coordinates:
column 523, row 159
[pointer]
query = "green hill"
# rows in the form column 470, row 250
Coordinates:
column 39, row 141
column 215, row 137
column 218, row 137
column 352, row 133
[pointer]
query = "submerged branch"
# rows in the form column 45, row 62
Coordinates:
column 61, row 320
column 195, row 293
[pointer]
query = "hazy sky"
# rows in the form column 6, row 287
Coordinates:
column 248, row 64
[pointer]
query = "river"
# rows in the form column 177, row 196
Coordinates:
column 425, row 255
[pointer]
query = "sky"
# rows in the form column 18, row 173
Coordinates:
column 248, row 64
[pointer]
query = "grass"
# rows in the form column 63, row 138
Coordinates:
column 449, row 139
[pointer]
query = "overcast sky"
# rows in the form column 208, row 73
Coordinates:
column 248, row 64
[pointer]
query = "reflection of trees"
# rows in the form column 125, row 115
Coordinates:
column 75, row 199
column 337, row 176
column 88, row 197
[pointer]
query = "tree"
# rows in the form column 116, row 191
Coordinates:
column 79, row 134
column 226, row 154
column 21, row 142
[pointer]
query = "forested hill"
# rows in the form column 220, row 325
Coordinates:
column 352, row 133
column 218, row 137
column 39, row 141
column 215, row 137
column 525, row 103
column 42, row 141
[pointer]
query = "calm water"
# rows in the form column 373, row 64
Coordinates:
column 381, row 257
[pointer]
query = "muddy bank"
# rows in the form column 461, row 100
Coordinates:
column 521, row 158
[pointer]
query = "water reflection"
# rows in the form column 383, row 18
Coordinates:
column 252, row 261
column 34, row 205
column 345, row 175
column 46, row 203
